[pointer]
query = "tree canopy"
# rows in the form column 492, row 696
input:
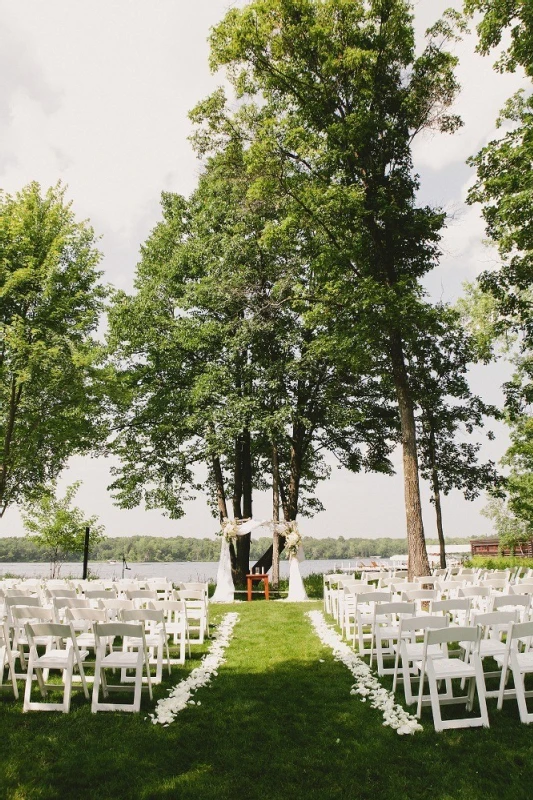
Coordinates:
column 51, row 377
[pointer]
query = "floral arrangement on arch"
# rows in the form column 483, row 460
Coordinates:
column 292, row 536
column 229, row 529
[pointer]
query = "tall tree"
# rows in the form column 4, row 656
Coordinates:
column 58, row 527
column 504, row 188
column 448, row 413
column 51, row 380
column 340, row 95
column 221, row 361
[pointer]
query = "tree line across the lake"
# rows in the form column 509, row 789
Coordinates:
column 179, row 548
column 279, row 317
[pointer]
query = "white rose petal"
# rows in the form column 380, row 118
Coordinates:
column 366, row 685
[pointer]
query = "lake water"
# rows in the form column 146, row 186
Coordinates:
column 176, row 571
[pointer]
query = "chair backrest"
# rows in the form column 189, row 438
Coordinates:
column 421, row 623
column 496, row 583
column 454, row 604
column 521, row 588
column 197, row 586
column 137, row 594
column 420, row 594
column 32, row 586
column 20, row 613
column 427, row 580
column 511, row 601
column 62, row 592
column 19, row 593
column 56, row 629
column 474, row 591
column 369, row 598
column 70, row 602
column 143, row 614
column 405, row 586
column 521, row 630
column 396, row 608
column 466, row 633
column 90, row 615
column 112, row 629
column 495, row 623
column 114, row 603
column 191, row 595
column 12, row 602
column 100, row 594
column 169, row 606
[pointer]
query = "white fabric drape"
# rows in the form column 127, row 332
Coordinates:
column 297, row 593
column 225, row 590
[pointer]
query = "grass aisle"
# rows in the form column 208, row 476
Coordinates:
column 277, row 723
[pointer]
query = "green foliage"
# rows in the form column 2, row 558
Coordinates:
column 448, row 411
column 57, row 527
column 498, row 18
column 512, row 530
column 178, row 548
column 51, row 381
column 501, row 562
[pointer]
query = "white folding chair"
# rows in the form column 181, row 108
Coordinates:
column 510, row 602
column 480, row 597
column 409, row 651
column 386, row 628
column 141, row 597
column 156, row 639
column 176, row 625
column 6, row 659
column 364, row 616
column 64, row 659
column 521, row 588
column 100, row 594
column 114, row 606
column 136, row 658
column 494, row 626
column 457, row 609
column 437, row 666
column 196, row 613
column 20, row 615
column 421, row 598
column 520, row 661
column 83, row 621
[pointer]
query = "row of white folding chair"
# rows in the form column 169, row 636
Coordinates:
column 197, row 604
column 491, row 629
column 385, row 622
column 62, row 653
column 332, row 587
column 78, row 612
column 514, row 655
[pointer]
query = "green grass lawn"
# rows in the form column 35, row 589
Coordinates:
column 277, row 722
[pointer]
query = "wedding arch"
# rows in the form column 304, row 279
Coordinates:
column 231, row 528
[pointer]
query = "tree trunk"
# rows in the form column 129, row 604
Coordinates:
column 435, row 483
column 298, row 433
column 418, row 557
column 438, row 512
column 237, row 480
column 219, row 483
column 275, row 517
column 14, row 400
column 243, row 542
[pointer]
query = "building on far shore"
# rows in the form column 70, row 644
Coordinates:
column 490, row 548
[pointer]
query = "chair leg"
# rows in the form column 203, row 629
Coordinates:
column 96, row 681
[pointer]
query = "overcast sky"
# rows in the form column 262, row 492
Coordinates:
column 96, row 95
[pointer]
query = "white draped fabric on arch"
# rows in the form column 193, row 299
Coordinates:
column 225, row 589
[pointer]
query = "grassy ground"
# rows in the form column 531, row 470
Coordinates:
column 277, row 722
